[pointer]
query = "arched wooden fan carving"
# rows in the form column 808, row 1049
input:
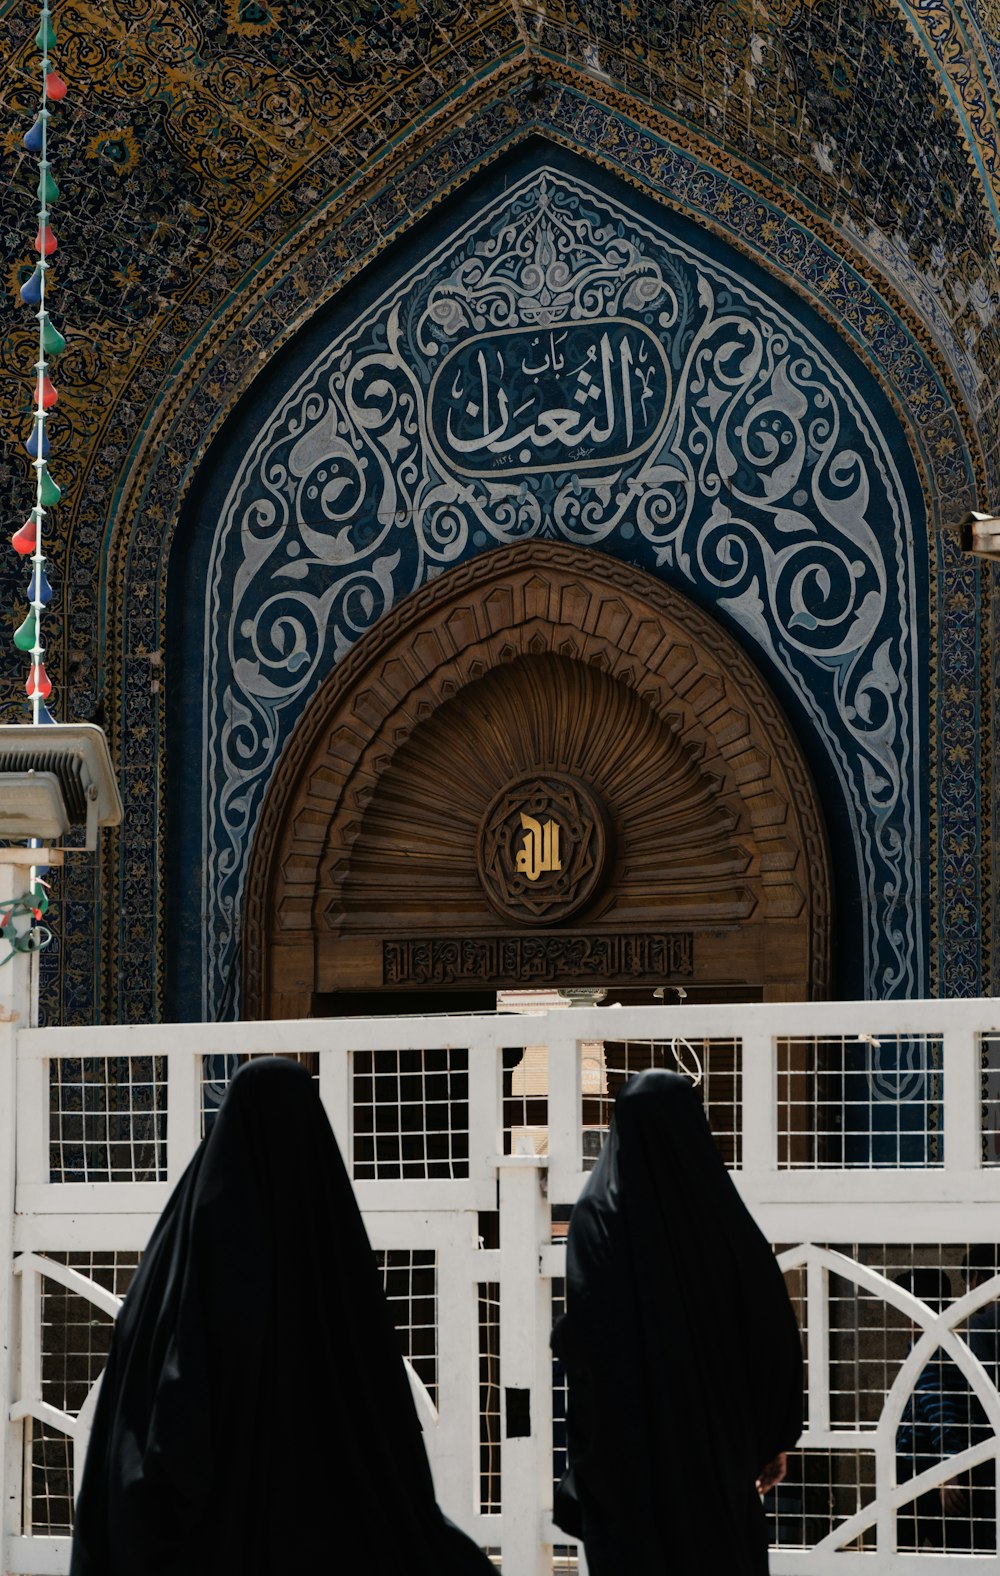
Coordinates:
column 675, row 847
column 544, row 767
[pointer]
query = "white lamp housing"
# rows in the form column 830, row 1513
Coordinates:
column 56, row 777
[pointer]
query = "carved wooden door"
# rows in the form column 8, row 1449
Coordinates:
column 546, row 768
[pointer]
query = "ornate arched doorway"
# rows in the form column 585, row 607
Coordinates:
column 543, row 768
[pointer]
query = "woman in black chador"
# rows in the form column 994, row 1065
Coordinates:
column 681, row 1350
column 255, row 1417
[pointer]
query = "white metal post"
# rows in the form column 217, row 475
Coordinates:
column 16, row 985
column 565, row 1120
column 818, row 1326
column 10, row 1454
column 485, row 1102
column 961, row 1099
column 457, row 1448
column 760, row 1102
column 183, row 1111
column 335, row 1074
column 525, row 1461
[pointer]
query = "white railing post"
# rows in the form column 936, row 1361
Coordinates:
column 818, row 1327
column 183, row 1110
column 458, row 1371
column 16, row 1000
column 525, row 1370
column 565, row 1123
column 963, row 1147
column 760, row 1102
column 10, row 1437
column 335, row 1072
column 485, row 1101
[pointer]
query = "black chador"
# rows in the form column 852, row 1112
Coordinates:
column 255, row 1417
column 681, row 1350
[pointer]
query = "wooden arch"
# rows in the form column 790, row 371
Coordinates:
column 556, row 683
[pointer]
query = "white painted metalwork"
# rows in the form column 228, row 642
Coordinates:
column 512, row 1148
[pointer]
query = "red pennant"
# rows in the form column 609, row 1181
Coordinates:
column 26, row 539
column 55, row 87
column 38, row 683
column 46, row 243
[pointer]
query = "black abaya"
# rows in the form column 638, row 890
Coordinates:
column 681, row 1351
column 255, row 1417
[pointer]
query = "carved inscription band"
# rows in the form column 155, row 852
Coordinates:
column 538, row 960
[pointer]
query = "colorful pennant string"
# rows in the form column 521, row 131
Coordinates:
column 27, row 541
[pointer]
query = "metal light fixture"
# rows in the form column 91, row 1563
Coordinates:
column 55, row 778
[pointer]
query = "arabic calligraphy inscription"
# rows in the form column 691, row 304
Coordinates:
column 543, row 847
column 581, row 395
column 539, row 852
column 539, row 960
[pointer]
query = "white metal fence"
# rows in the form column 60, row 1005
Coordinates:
column 863, row 1136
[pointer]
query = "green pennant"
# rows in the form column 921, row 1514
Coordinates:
column 50, row 493
column 48, row 191
column 52, row 340
column 24, row 638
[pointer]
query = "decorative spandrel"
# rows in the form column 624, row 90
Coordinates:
column 543, row 848
column 576, row 366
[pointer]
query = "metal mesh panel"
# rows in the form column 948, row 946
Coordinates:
column 411, row 1114
column 218, row 1072
column 850, row 1100
column 76, row 1335
column 606, row 1066
column 868, row 1342
column 822, row 1488
column 565, row 1559
column 525, row 1100
column 989, row 1063
column 48, row 1466
column 75, row 1340
column 410, row 1280
column 108, row 1119
column 559, row 1387
column 489, row 1397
